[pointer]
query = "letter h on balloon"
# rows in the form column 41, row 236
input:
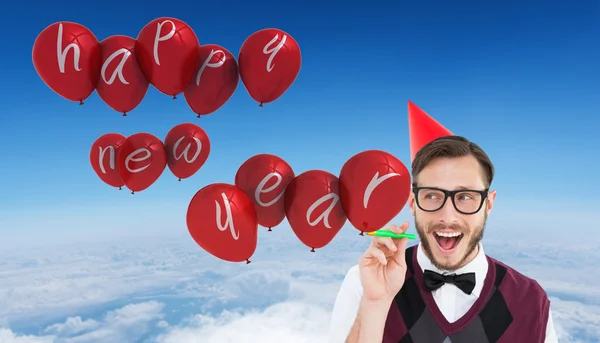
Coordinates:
column 61, row 54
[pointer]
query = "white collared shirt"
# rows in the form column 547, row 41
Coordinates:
column 452, row 302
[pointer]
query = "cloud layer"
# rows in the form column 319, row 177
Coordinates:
column 169, row 290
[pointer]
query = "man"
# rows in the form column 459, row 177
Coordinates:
column 445, row 289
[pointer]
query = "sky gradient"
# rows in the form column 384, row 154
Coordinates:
column 518, row 78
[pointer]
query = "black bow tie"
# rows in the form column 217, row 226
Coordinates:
column 433, row 281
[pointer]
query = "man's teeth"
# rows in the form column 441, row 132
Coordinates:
column 448, row 234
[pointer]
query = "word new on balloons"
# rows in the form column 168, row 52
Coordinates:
column 221, row 219
column 313, row 208
column 270, row 61
column 374, row 187
column 122, row 85
column 166, row 54
column 139, row 160
column 73, row 76
column 264, row 178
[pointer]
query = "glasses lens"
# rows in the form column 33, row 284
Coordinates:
column 467, row 202
column 430, row 199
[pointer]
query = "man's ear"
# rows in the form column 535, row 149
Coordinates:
column 411, row 203
column 490, row 201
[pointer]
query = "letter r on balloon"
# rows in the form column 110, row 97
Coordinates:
column 375, row 181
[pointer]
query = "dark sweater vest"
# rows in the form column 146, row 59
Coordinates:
column 511, row 308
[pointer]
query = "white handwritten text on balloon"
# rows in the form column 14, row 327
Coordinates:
column 158, row 38
column 375, row 181
column 260, row 189
column 185, row 152
column 207, row 63
column 272, row 51
column 228, row 217
column 132, row 158
column 61, row 54
column 111, row 158
column 325, row 215
column 119, row 69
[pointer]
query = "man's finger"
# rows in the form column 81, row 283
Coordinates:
column 400, row 254
column 374, row 253
column 384, row 242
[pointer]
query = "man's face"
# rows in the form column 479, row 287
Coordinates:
column 448, row 237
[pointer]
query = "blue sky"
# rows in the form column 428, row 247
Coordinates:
column 518, row 78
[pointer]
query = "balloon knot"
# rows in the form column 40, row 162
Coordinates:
column 270, row 229
column 260, row 105
column 132, row 192
column 120, row 188
column 361, row 233
column 174, row 97
column 198, row 116
column 312, row 250
column 124, row 114
column 247, row 261
column 179, row 179
column 80, row 102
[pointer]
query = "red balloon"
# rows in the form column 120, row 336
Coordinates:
column 188, row 148
column 167, row 51
column 221, row 219
column 142, row 159
column 122, row 85
column 67, row 56
column 215, row 82
column 264, row 178
column 269, row 61
column 313, row 208
column 103, row 157
column 374, row 187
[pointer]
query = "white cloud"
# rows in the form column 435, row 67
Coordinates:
column 169, row 290
column 290, row 322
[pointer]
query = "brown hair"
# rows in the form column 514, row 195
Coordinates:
column 449, row 147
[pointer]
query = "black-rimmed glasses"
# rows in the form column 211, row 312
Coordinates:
column 465, row 201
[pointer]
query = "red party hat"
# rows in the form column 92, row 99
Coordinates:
column 422, row 129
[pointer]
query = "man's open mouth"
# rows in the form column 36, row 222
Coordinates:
column 447, row 241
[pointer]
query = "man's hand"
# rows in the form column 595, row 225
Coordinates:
column 383, row 267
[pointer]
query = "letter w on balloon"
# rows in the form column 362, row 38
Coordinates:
column 186, row 151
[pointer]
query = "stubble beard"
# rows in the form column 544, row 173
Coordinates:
column 473, row 244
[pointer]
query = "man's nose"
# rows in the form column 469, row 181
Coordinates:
column 448, row 214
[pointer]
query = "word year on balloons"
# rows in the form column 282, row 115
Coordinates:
column 166, row 54
column 139, row 160
column 372, row 188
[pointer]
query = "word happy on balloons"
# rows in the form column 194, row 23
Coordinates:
column 167, row 55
